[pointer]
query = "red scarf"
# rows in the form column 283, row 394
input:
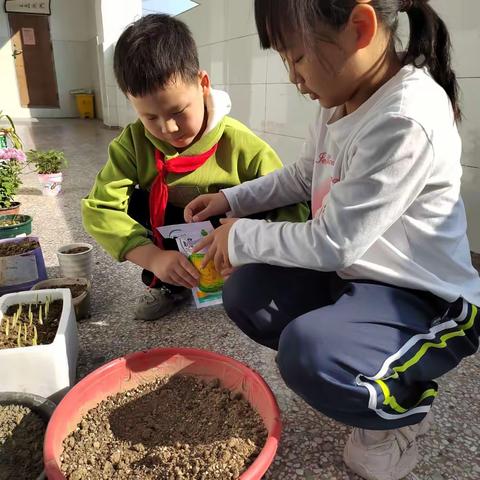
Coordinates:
column 159, row 190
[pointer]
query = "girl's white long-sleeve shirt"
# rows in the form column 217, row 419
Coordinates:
column 384, row 182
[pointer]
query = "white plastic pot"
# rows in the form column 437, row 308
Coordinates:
column 76, row 264
column 45, row 370
column 51, row 183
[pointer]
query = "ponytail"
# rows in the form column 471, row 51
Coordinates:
column 430, row 46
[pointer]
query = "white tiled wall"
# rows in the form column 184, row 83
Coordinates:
column 263, row 98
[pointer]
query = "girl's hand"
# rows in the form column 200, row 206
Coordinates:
column 217, row 245
column 206, row 206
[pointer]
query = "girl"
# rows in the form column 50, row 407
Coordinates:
column 375, row 297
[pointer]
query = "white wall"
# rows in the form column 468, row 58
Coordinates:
column 73, row 37
column 256, row 80
column 263, row 98
column 112, row 16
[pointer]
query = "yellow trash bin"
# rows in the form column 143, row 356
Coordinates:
column 85, row 105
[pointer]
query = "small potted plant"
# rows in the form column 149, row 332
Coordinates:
column 12, row 162
column 15, row 225
column 48, row 164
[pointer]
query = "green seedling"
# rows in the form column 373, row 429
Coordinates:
column 35, row 335
column 19, row 337
column 7, row 328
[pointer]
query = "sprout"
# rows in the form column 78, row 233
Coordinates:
column 7, row 328
column 40, row 320
column 35, row 335
column 47, row 307
column 19, row 310
column 25, row 333
column 30, row 318
column 19, row 337
column 29, row 309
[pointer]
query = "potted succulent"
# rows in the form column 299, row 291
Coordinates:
column 38, row 342
column 48, row 164
column 12, row 162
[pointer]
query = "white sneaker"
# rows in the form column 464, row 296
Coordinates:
column 384, row 454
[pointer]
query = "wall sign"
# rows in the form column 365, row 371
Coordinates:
column 28, row 35
column 37, row 7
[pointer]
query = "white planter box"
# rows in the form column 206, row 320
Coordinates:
column 45, row 370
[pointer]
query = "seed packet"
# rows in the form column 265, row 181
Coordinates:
column 187, row 235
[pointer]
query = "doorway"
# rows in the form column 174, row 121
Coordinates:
column 34, row 65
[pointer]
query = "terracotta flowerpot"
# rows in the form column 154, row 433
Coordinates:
column 13, row 209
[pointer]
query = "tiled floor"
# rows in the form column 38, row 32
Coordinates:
column 311, row 446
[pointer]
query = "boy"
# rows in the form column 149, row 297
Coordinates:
column 183, row 145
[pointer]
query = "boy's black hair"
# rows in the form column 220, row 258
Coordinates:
column 429, row 45
column 152, row 52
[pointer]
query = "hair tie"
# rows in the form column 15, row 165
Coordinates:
column 406, row 5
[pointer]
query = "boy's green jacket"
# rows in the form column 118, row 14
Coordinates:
column 240, row 156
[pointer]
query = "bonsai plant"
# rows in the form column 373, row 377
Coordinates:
column 48, row 164
column 12, row 162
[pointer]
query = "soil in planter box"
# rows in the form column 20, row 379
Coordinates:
column 176, row 428
column 76, row 250
column 45, row 333
column 21, row 443
column 9, row 249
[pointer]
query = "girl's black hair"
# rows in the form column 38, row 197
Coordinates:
column 429, row 44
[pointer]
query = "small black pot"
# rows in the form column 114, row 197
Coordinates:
column 41, row 406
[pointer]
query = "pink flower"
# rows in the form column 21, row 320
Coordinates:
column 7, row 154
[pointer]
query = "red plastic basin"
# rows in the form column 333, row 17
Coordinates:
column 127, row 372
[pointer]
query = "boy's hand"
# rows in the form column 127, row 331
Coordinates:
column 217, row 245
column 206, row 206
column 172, row 267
